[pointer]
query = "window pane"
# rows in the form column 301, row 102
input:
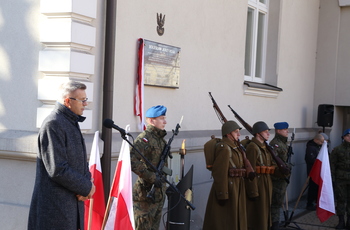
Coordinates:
column 249, row 43
column 259, row 47
column 262, row 1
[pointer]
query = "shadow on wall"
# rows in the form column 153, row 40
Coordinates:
column 19, row 54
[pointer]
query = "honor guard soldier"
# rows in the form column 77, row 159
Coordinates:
column 340, row 169
column 279, row 184
column 226, row 206
column 259, row 190
column 150, row 143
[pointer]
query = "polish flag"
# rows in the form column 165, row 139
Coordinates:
column 139, row 95
column 321, row 175
column 95, row 207
column 121, row 214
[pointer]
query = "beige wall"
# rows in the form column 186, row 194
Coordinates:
column 211, row 36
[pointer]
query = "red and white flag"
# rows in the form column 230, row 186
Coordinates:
column 138, row 102
column 95, row 207
column 121, row 214
column 321, row 175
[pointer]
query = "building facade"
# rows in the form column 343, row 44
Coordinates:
column 271, row 60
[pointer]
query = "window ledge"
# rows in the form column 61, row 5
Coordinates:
column 261, row 89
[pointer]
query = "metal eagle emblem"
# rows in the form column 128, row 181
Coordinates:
column 160, row 22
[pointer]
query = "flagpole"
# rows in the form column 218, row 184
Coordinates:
column 301, row 193
column 108, row 208
column 90, row 213
column 287, row 208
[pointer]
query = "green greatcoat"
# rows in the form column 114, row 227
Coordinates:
column 146, row 213
column 279, row 184
column 259, row 190
column 226, row 206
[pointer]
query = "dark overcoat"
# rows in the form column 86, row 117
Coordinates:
column 61, row 173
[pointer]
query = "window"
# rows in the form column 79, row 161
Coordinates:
column 255, row 47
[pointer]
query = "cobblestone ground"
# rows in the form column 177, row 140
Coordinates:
column 304, row 219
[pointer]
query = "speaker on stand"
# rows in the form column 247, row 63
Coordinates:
column 325, row 115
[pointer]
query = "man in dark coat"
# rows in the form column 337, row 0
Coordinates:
column 147, row 211
column 63, row 180
column 313, row 147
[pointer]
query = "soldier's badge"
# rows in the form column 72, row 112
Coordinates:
column 145, row 140
column 276, row 145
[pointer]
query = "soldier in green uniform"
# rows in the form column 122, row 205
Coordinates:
column 226, row 206
column 340, row 169
column 150, row 143
column 279, row 143
column 259, row 190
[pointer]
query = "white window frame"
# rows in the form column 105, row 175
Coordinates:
column 257, row 7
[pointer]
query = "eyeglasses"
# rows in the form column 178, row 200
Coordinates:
column 82, row 101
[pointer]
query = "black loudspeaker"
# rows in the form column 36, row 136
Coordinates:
column 325, row 115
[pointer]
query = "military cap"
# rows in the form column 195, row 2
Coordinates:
column 346, row 132
column 228, row 127
column 281, row 125
column 156, row 111
column 260, row 126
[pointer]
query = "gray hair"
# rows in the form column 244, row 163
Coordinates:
column 325, row 136
column 319, row 137
column 68, row 88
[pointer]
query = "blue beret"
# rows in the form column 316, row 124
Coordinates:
column 281, row 125
column 156, row 111
column 346, row 132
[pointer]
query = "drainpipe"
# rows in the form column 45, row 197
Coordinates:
column 108, row 83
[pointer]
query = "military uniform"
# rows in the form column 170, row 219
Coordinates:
column 150, row 143
column 226, row 206
column 340, row 168
column 259, row 190
column 279, row 143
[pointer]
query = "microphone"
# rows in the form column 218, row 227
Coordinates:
column 108, row 123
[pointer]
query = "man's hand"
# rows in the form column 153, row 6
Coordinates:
column 158, row 182
column 92, row 191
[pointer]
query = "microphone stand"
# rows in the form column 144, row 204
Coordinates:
column 160, row 174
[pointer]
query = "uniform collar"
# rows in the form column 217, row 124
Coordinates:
column 280, row 137
column 257, row 142
column 159, row 132
column 231, row 143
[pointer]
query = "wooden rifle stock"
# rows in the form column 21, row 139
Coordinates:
column 284, row 169
column 248, row 167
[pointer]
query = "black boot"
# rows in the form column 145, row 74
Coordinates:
column 348, row 222
column 341, row 224
column 275, row 226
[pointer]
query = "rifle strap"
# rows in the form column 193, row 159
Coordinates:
column 230, row 159
column 259, row 155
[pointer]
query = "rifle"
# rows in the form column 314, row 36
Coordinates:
column 108, row 123
column 290, row 149
column 280, row 163
column 249, row 169
column 161, row 168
